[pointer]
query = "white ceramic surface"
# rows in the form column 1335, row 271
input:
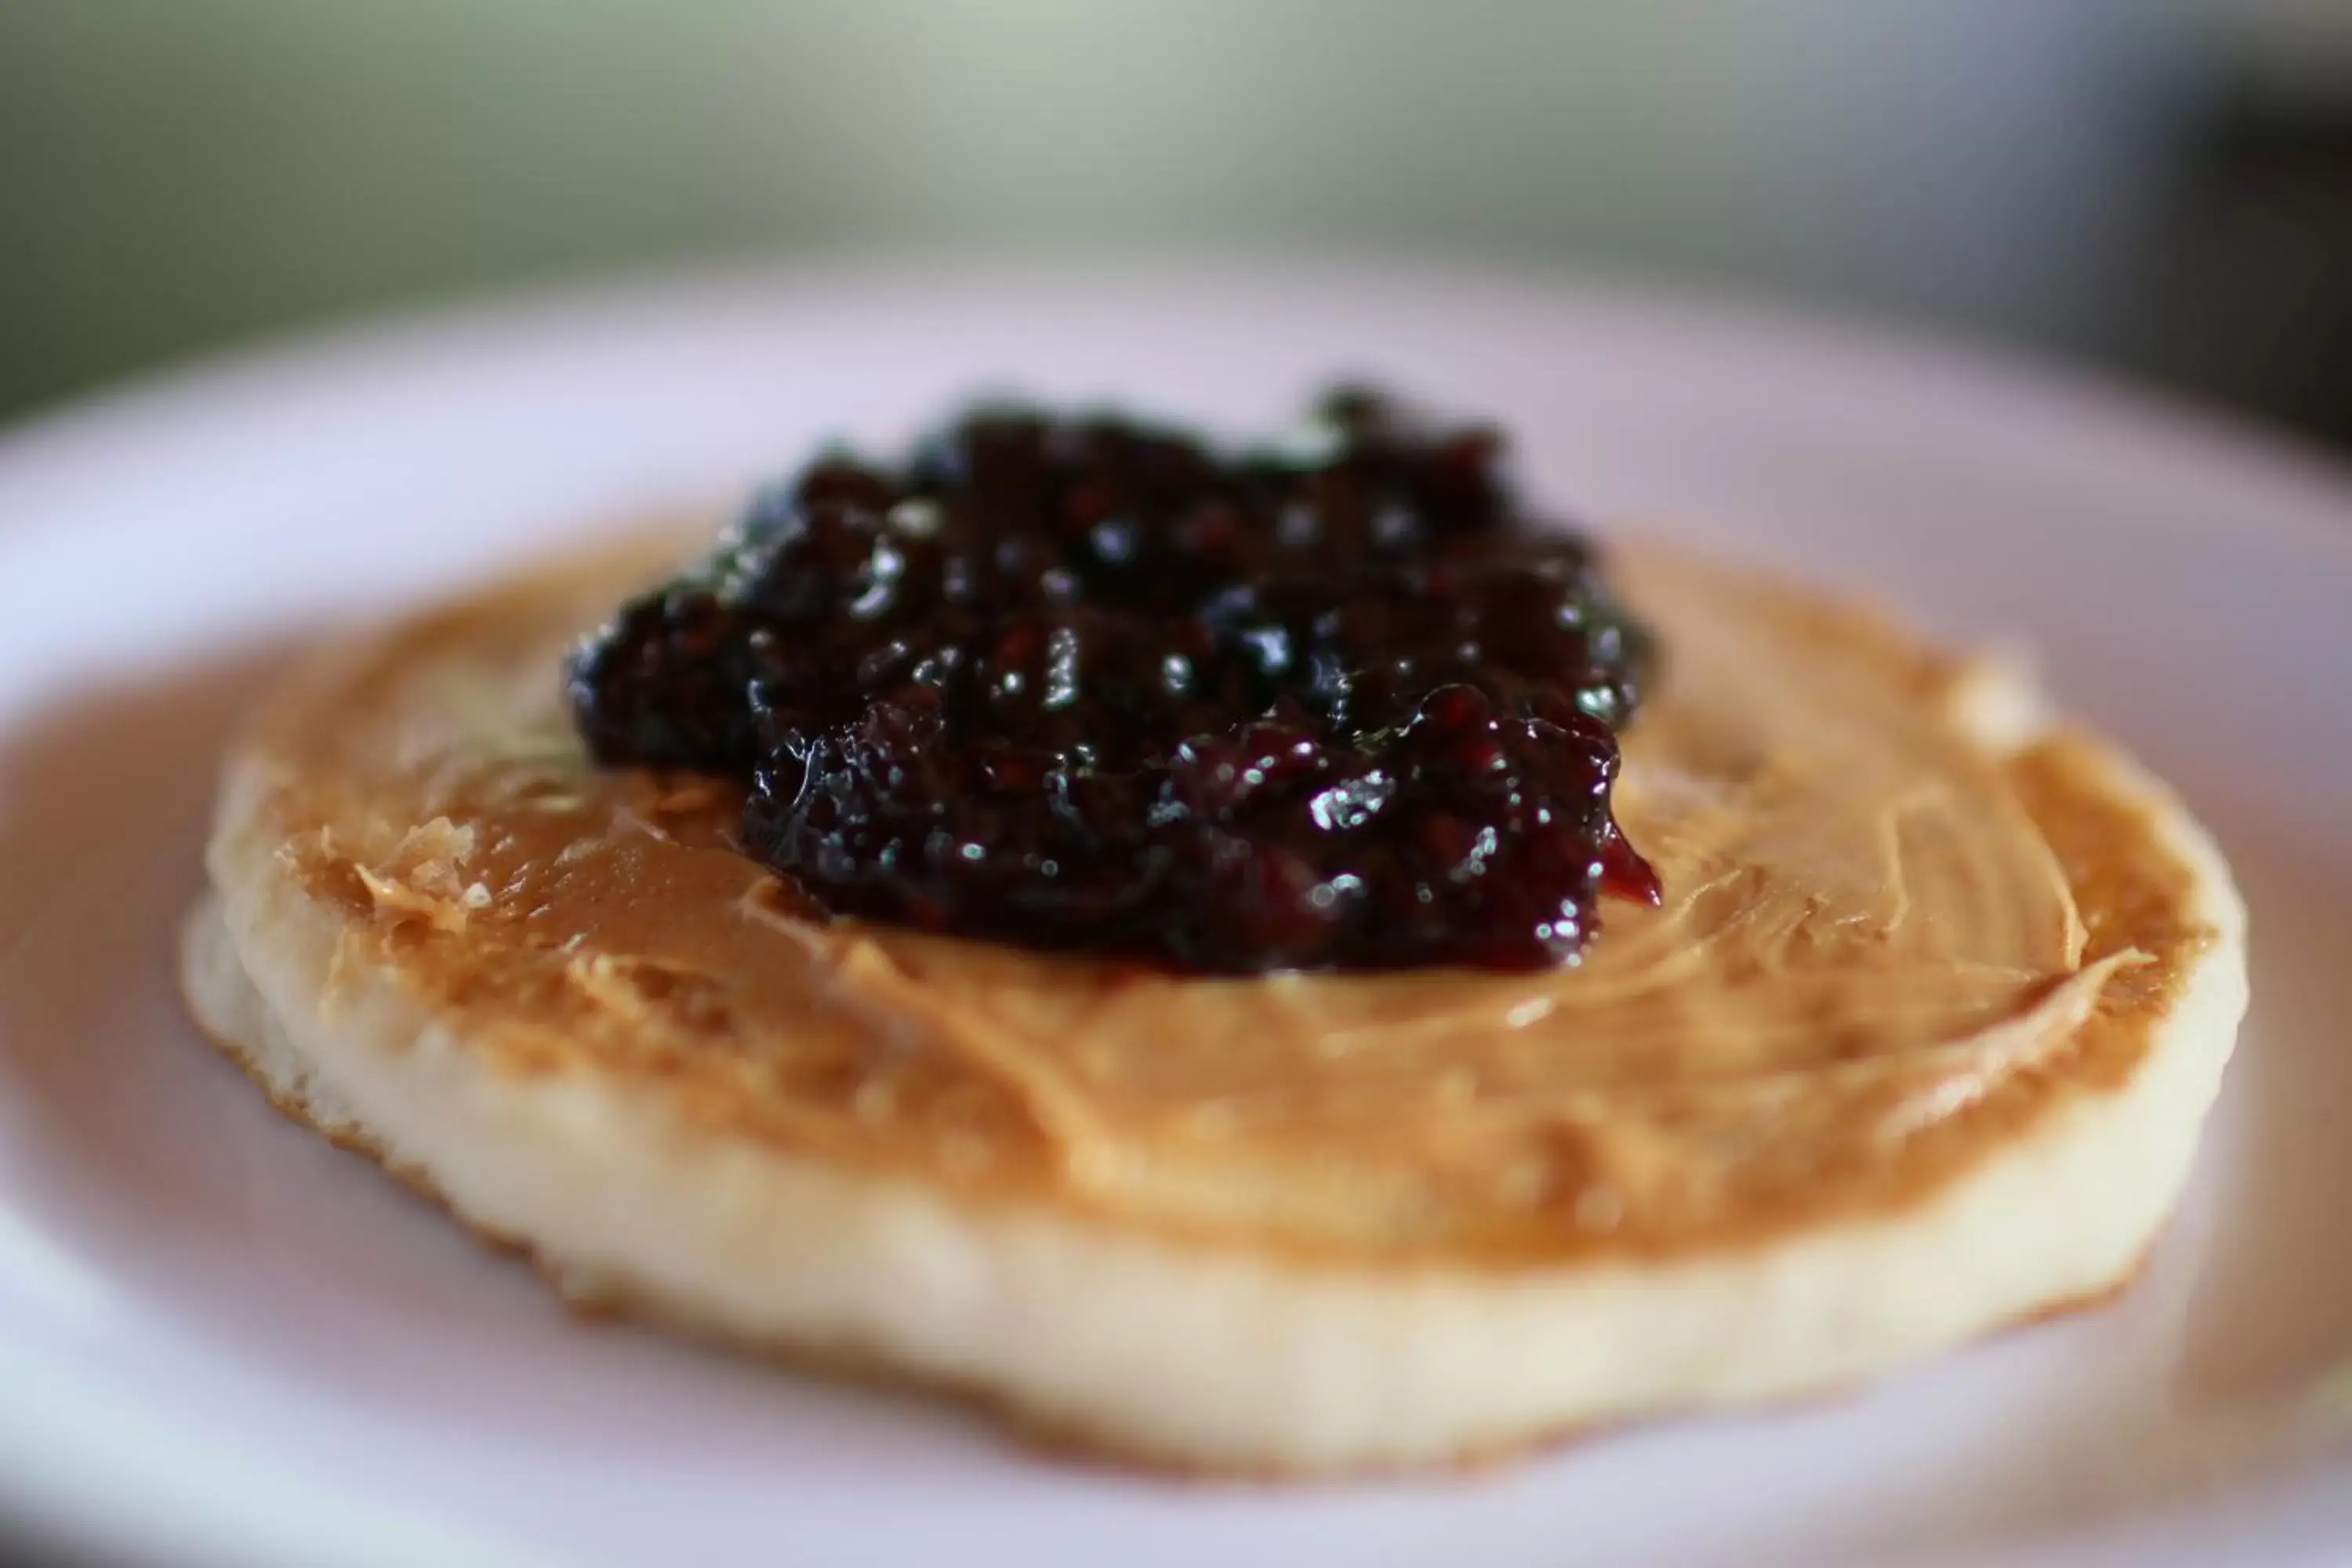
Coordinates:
column 221, row 1340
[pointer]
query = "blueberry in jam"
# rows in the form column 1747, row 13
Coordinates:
column 1088, row 683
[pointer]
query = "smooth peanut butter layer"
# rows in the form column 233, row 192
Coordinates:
column 1884, row 948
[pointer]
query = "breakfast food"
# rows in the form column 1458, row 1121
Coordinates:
column 1379, row 1074
column 1082, row 685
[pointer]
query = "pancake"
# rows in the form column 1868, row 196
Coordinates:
column 1918, row 1043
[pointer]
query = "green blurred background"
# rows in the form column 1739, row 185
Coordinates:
column 2156, row 186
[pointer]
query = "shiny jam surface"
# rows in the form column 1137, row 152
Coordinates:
column 1090, row 683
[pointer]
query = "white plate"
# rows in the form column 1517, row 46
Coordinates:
column 222, row 1340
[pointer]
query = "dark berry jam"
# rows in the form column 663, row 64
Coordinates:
column 1088, row 683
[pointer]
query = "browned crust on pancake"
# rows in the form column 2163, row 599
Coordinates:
column 2130, row 891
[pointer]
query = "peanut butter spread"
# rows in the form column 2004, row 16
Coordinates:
column 1883, row 950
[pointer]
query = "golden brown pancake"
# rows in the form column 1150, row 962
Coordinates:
column 1918, row 1043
